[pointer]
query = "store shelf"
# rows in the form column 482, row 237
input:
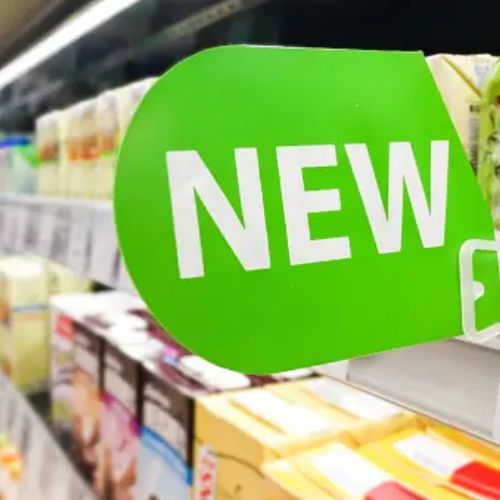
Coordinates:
column 454, row 381
column 78, row 234
column 47, row 472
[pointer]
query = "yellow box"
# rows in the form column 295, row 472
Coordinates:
column 365, row 417
column 246, row 429
column 405, row 454
column 333, row 471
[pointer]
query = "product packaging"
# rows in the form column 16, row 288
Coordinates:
column 124, row 352
column 82, row 171
column 24, row 322
column 66, row 310
column 489, row 145
column 89, row 341
column 426, row 458
column 47, row 141
column 366, row 417
column 237, row 433
column 171, row 389
column 108, row 138
column 461, row 79
column 333, row 471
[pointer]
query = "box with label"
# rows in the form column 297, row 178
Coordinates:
column 432, row 459
column 121, row 412
column 171, row 389
column 24, row 322
column 237, row 433
column 83, row 162
column 367, row 418
column 333, row 471
column 48, row 147
column 108, row 140
column 87, row 383
column 66, row 310
column 461, row 79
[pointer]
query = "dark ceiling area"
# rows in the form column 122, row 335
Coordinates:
column 152, row 35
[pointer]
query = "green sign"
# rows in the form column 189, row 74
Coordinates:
column 283, row 207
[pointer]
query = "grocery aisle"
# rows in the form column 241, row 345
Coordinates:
column 100, row 399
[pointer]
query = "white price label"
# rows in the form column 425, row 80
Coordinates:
column 59, row 246
column 33, row 228
column 47, row 230
column 21, row 224
column 79, row 239
column 7, row 221
column 104, row 247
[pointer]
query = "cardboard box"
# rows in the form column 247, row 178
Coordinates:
column 171, row 389
column 461, row 79
column 333, row 471
column 121, row 412
column 424, row 458
column 65, row 311
column 366, row 417
column 24, row 322
column 108, row 141
column 237, row 433
column 48, row 148
column 89, row 341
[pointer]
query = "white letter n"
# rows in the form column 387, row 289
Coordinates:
column 189, row 176
column 430, row 217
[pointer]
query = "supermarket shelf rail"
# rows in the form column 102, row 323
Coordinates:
column 47, row 471
column 78, row 234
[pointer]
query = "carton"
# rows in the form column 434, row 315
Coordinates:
column 461, row 80
column 89, row 341
column 238, row 433
column 334, row 471
column 452, row 470
column 366, row 417
column 48, row 147
column 66, row 310
column 108, row 139
column 24, row 322
column 128, row 99
column 121, row 412
column 171, row 389
column 84, row 133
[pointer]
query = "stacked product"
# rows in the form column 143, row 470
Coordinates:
column 77, row 146
column 149, row 420
column 11, row 468
column 25, row 287
column 18, row 165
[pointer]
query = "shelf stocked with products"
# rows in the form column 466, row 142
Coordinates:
column 32, row 463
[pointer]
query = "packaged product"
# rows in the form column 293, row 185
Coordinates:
column 122, row 411
column 108, row 138
column 69, row 146
column 24, row 322
column 128, row 99
column 65, row 311
column 81, row 172
column 89, row 339
column 237, row 433
column 432, row 459
column 461, row 80
column 333, row 471
column 166, row 456
column 489, row 145
column 18, row 165
column 47, row 142
column 367, row 418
